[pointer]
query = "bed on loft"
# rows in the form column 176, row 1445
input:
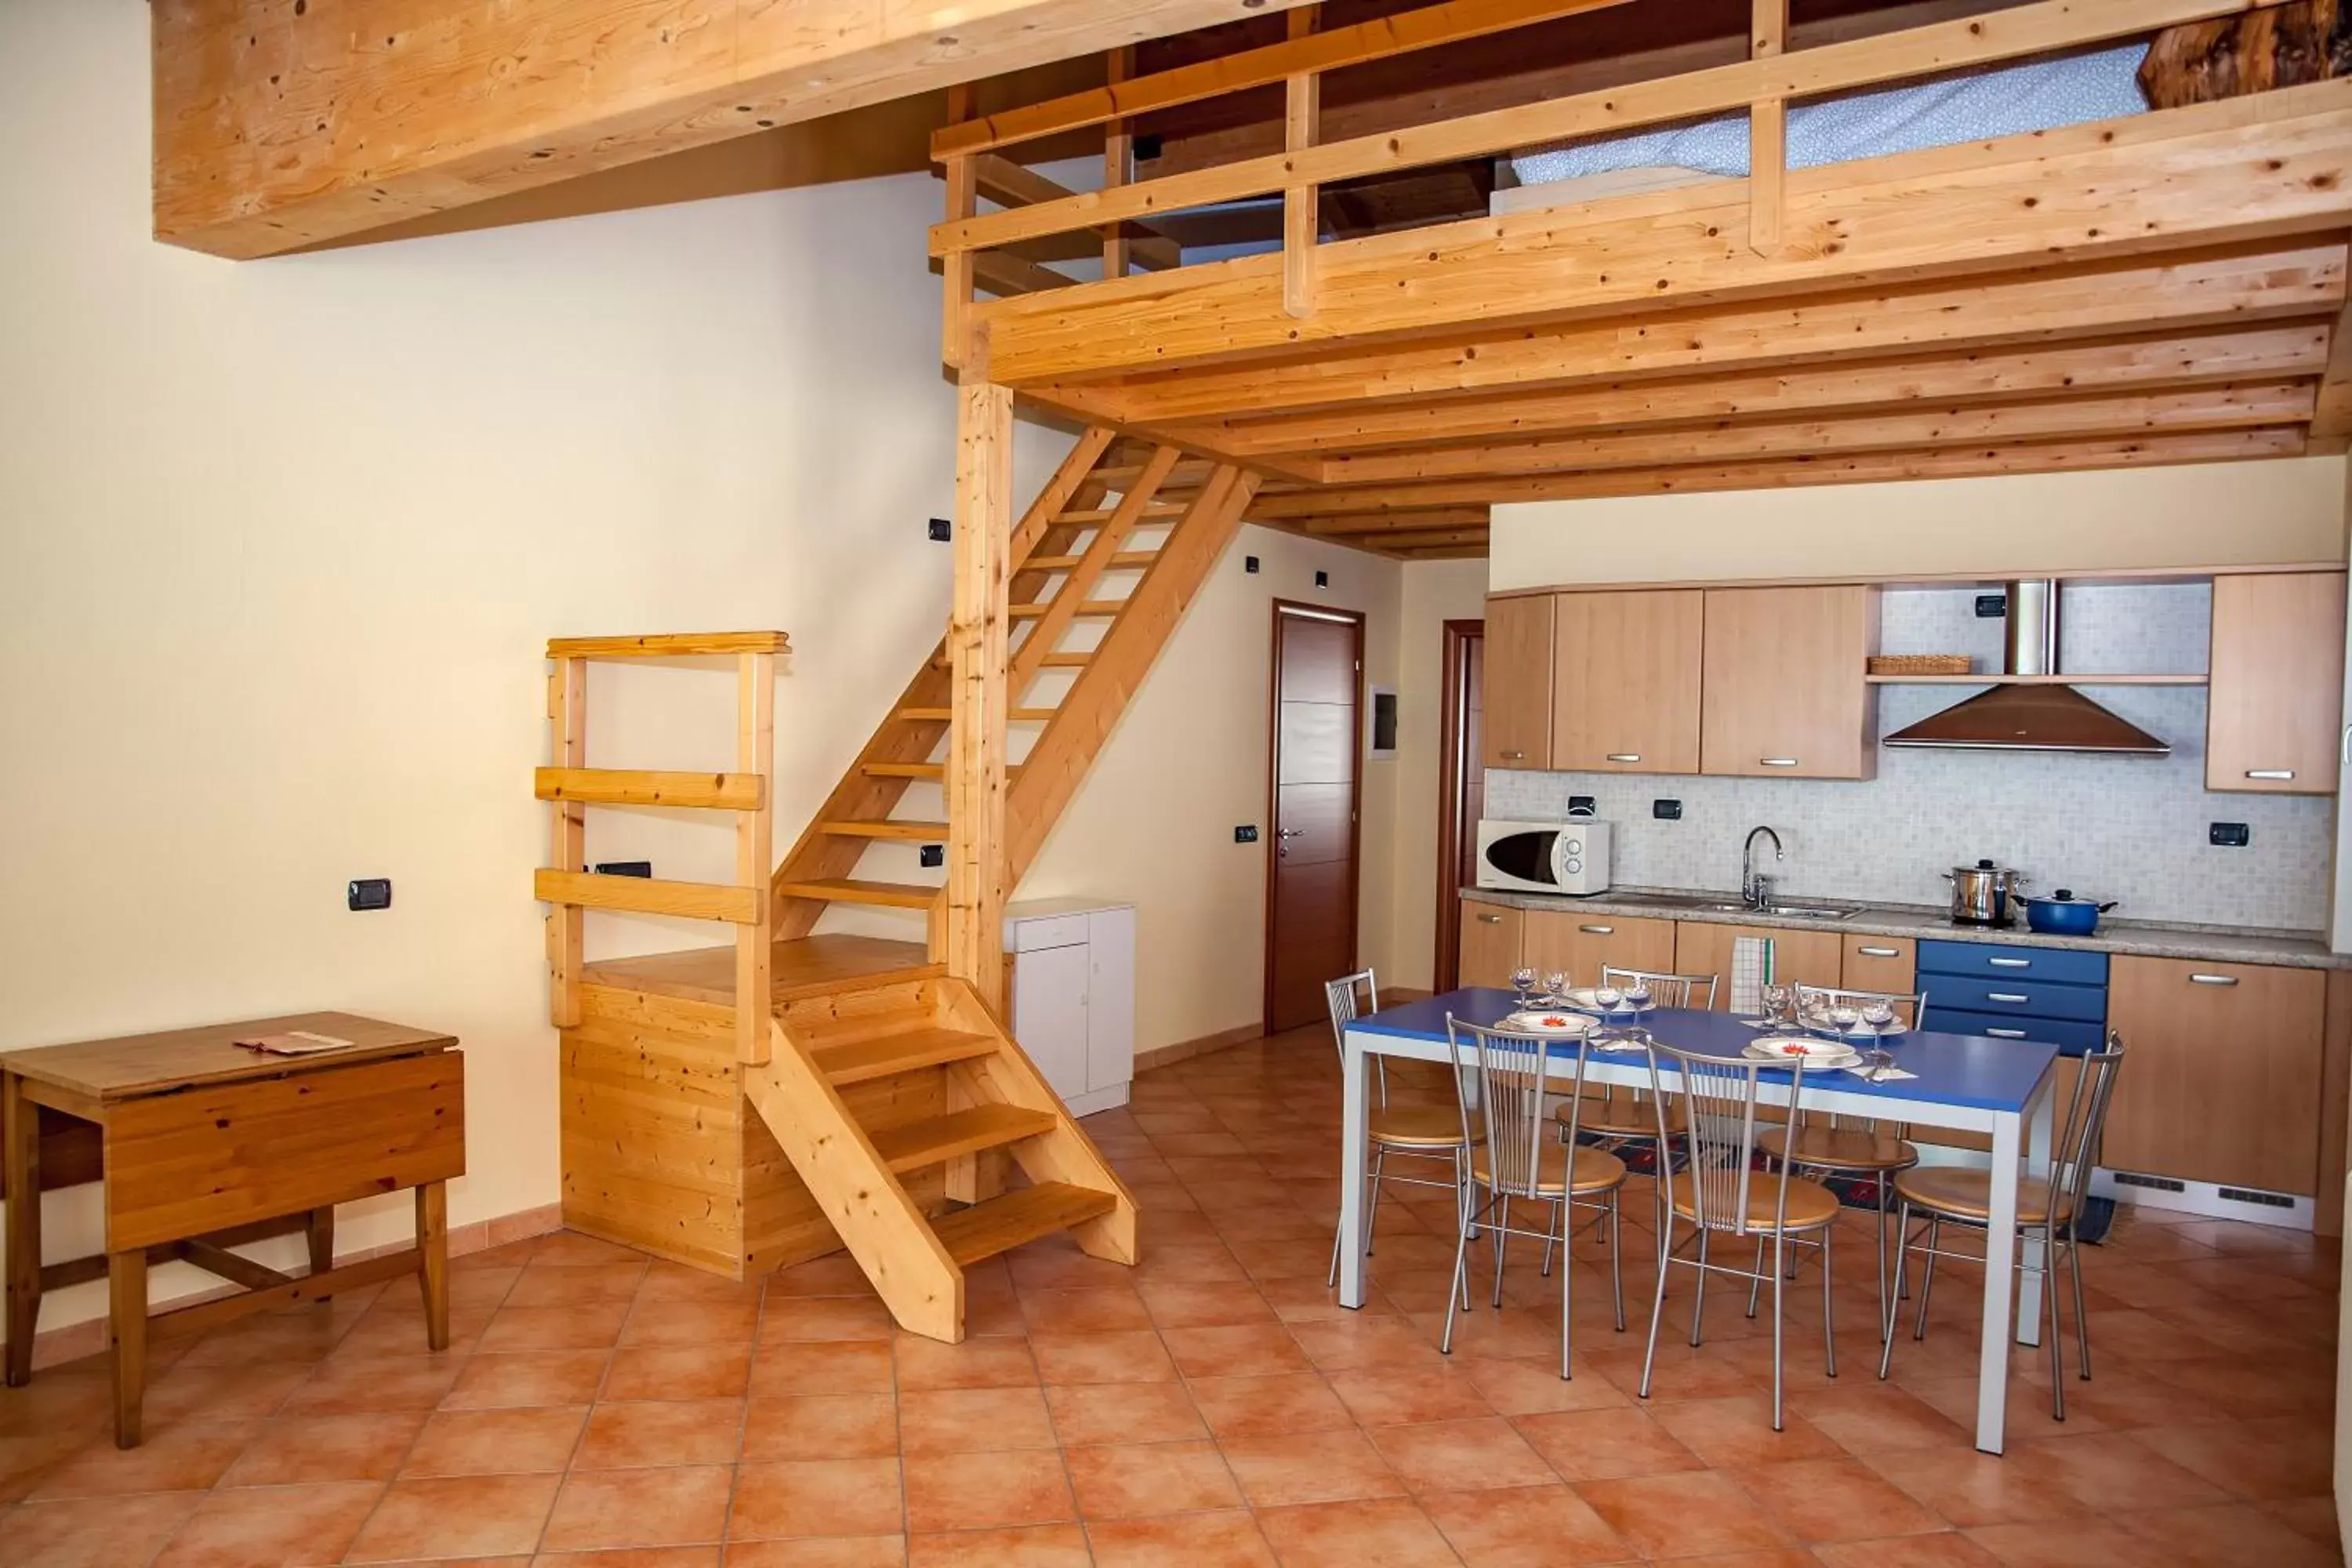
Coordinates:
column 2084, row 234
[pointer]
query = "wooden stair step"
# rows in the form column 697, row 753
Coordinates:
column 918, row 770
column 1104, row 514
column 1002, row 1224
column 908, row 1050
column 1086, row 607
column 1017, row 715
column 1125, row 561
column 1068, row 661
column 914, row 832
column 958, row 1133
column 854, row 890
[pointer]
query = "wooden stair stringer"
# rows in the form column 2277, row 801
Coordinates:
column 1064, row 752
column 871, row 1212
column 1065, row 1156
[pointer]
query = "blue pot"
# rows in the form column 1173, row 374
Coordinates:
column 2064, row 914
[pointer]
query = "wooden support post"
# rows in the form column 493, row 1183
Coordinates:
column 20, row 1136
column 755, row 855
column 956, row 267
column 567, row 720
column 1768, row 135
column 1301, row 218
column 977, row 655
column 126, row 1291
column 433, row 1261
column 319, row 1235
column 1118, row 165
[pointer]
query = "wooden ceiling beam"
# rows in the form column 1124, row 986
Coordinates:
column 2266, row 167
column 2229, row 287
column 1993, row 376
column 282, row 126
column 1393, row 522
column 2088, row 418
column 2196, row 447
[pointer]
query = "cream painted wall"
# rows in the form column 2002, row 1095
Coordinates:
column 280, row 543
column 2203, row 515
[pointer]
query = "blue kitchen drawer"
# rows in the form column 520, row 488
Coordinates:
column 2073, row 1037
column 2030, row 998
column 1992, row 961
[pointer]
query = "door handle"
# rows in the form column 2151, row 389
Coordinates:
column 1776, row 762
column 2213, row 980
column 1880, row 951
column 1598, row 931
column 2006, row 1034
column 1290, row 832
column 1624, row 756
column 2007, row 996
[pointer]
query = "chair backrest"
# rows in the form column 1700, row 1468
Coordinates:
column 1910, row 1011
column 1510, row 1069
column 1665, row 990
column 2086, row 1119
column 1349, row 997
column 1718, row 1109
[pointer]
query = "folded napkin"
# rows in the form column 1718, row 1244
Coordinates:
column 1882, row 1075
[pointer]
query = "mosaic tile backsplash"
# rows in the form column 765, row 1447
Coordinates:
column 2133, row 829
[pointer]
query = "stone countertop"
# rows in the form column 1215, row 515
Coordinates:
column 2144, row 939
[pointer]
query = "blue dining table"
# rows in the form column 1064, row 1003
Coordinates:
column 1968, row 1082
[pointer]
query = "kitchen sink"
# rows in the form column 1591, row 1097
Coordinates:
column 1783, row 912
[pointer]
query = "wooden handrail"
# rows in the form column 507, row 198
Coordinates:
column 629, row 786
column 647, row 896
column 1341, row 46
column 673, row 645
column 1832, row 68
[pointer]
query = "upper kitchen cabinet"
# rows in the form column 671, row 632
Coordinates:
column 1518, row 682
column 2276, row 702
column 1783, row 687
column 1626, row 681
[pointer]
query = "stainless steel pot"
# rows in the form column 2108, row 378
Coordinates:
column 1981, row 893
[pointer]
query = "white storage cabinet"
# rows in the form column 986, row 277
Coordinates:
column 1073, row 997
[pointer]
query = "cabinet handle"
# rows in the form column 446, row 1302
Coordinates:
column 1624, row 756
column 1880, row 951
column 2010, row 963
column 1597, row 931
column 1776, row 762
column 2007, row 996
column 2279, row 773
column 1513, row 756
column 1490, row 920
column 2006, row 1034
column 2347, row 746
column 2213, row 980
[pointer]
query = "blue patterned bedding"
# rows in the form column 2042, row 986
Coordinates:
column 1974, row 106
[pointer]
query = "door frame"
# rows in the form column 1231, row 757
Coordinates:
column 1280, row 608
column 1453, row 765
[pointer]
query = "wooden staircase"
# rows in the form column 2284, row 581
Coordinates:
column 1102, row 566
column 881, row 1080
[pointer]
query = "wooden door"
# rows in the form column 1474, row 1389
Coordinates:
column 1310, row 907
column 1626, row 681
column 1461, row 788
column 1782, row 689
column 2221, row 1072
column 2275, row 708
column 1579, row 944
column 1799, row 957
column 1491, row 936
column 1519, row 673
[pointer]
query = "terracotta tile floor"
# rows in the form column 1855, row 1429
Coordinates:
column 1212, row 1406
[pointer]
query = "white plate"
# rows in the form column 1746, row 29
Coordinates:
column 1583, row 999
column 1818, row 1054
column 1547, row 1023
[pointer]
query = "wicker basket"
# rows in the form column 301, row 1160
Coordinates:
column 1921, row 664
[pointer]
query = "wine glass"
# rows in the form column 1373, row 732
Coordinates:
column 1880, row 1016
column 1777, row 1000
column 1556, row 985
column 1523, row 981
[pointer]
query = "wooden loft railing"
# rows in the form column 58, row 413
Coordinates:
column 571, row 786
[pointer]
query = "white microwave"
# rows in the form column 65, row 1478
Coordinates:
column 1570, row 857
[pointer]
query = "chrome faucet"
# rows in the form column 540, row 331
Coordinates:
column 1756, row 887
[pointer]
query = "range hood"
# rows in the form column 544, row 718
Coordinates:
column 2020, row 718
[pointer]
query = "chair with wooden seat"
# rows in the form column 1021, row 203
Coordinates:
column 2047, row 1213
column 1437, row 1134
column 1518, row 1158
column 1720, row 1193
column 1853, row 1146
column 1631, row 1119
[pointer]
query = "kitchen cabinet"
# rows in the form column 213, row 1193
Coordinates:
column 2274, row 708
column 1518, row 677
column 2221, row 1078
column 1799, row 957
column 1626, row 681
column 1885, row 963
column 1073, row 997
column 1491, row 935
column 1563, row 941
column 1783, row 688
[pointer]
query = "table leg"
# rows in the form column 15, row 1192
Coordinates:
column 433, row 1261
column 126, row 1288
column 1999, row 1286
column 319, row 1231
column 1354, row 1149
column 20, row 1134
column 2030, row 1284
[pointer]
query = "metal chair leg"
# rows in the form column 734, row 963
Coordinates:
column 1617, row 1253
column 2050, row 1305
column 1502, row 1229
column 1928, row 1275
column 1553, row 1234
column 1829, row 1320
column 1372, row 1198
column 1777, row 1320
column 1886, row 1324
column 1699, row 1287
column 2081, row 1322
column 1463, row 1191
column 1658, row 1302
column 1460, row 1288
column 1884, row 1187
column 1756, row 1283
column 1567, row 1283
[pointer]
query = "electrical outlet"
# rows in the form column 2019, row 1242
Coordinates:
column 1249, row 564
column 1146, row 149
column 2231, row 835
column 1322, row 579
column 1991, row 606
column 1666, row 810
column 934, row 854
column 625, row 869
column 1580, row 803
column 369, row 893
column 1245, row 835
column 941, row 530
